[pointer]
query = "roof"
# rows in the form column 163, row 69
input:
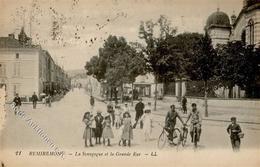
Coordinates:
column 7, row 42
column 218, row 19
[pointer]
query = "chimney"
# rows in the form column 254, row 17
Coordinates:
column 11, row 36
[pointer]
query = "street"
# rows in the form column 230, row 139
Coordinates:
column 63, row 124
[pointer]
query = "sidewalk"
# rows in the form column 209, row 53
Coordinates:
column 248, row 115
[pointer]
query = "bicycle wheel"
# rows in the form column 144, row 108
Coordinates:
column 162, row 140
column 176, row 136
column 184, row 136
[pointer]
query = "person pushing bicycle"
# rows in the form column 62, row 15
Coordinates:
column 170, row 122
column 196, row 119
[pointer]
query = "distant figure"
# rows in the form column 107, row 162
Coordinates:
column 184, row 105
column 48, row 100
column 17, row 102
column 92, row 101
column 139, row 108
column 234, row 130
column 111, row 112
column 34, row 100
column 118, row 116
column 126, row 108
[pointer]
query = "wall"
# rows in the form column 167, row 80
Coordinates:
column 27, row 80
column 219, row 35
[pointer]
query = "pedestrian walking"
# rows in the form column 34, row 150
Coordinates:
column 184, row 105
column 34, row 100
column 48, row 100
column 17, row 102
column 92, row 102
column 235, row 133
column 99, row 127
column 139, row 107
column 127, row 131
column 87, row 132
column 107, row 130
column 148, row 124
column 118, row 116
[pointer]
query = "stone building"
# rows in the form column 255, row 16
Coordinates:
column 26, row 68
column 244, row 27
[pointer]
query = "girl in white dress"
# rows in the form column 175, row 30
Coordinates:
column 147, row 122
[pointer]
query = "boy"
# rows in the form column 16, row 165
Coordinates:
column 234, row 130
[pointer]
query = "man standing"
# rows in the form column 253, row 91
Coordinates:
column 170, row 122
column 34, row 100
column 17, row 102
column 92, row 101
column 139, row 108
column 184, row 105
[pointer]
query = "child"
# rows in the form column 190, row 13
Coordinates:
column 118, row 116
column 127, row 132
column 98, row 131
column 87, row 132
column 147, row 120
column 234, row 130
column 107, row 130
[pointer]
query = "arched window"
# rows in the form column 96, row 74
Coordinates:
column 251, row 31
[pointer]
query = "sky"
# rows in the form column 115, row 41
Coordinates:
column 73, row 30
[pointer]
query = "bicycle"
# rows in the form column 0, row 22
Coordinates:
column 180, row 137
column 195, row 135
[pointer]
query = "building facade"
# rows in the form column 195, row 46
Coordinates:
column 27, row 68
column 244, row 27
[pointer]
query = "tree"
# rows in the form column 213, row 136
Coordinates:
column 238, row 65
column 231, row 57
column 202, row 65
column 137, row 64
column 117, row 63
column 155, row 56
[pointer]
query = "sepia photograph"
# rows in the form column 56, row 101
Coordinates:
column 129, row 83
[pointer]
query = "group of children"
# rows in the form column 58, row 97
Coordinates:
column 99, row 126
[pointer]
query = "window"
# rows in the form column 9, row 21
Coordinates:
column 17, row 55
column 16, row 69
column 2, row 70
column 251, row 31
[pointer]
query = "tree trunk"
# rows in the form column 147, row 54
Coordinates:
column 122, row 93
column 206, row 98
column 132, row 100
column 115, row 91
column 155, row 97
column 111, row 95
